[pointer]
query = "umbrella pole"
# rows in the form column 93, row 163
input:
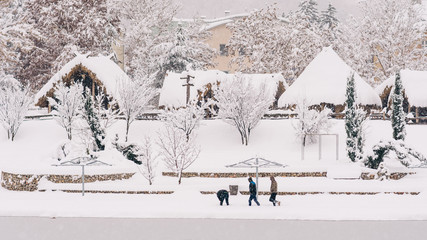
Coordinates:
column 257, row 177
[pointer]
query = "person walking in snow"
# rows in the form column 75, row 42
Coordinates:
column 222, row 195
column 273, row 191
column 252, row 191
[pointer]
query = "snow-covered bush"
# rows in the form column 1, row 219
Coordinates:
column 398, row 122
column 176, row 152
column 14, row 102
column 310, row 121
column 131, row 151
column 355, row 119
column 406, row 155
column 66, row 103
column 242, row 105
column 186, row 119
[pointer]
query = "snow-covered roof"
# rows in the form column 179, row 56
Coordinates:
column 173, row 94
column 414, row 83
column 106, row 71
column 325, row 80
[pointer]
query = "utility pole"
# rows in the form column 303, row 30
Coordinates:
column 188, row 85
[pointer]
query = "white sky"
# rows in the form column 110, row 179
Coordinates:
column 216, row 8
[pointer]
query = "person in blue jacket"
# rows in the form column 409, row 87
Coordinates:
column 252, row 191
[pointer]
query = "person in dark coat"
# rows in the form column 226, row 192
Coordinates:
column 222, row 195
column 273, row 191
column 252, row 191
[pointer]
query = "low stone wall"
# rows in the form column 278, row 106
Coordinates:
column 114, row 192
column 29, row 182
column 364, row 176
column 333, row 193
column 20, row 182
column 244, row 175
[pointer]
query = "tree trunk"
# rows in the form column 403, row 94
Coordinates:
column 127, row 130
column 179, row 177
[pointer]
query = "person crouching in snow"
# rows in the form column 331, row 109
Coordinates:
column 252, row 191
column 273, row 191
column 382, row 172
column 222, row 195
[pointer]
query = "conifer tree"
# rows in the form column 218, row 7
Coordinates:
column 354, row 121
column 91, row 117
column 398, row 115
column 329, row 25
column 308, row 8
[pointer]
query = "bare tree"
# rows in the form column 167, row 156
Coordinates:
column 14, row 102
column 177, row 153
column 133, row 96
column 66, row 103
column 186, row 119
column 310, row 121
column 148, row 160
column 242, row 105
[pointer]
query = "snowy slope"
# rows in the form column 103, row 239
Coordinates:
column 324, row 81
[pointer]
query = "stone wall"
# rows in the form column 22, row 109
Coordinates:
column 244, row 175
column 316, row 193
column 30, row 182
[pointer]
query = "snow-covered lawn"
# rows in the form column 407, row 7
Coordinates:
column 220, row 143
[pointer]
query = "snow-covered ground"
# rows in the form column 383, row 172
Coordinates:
column 274, row 140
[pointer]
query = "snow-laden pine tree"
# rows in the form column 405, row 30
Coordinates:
column 398, row 122
column 354, row 123
column 66, row 104
column 186, row 119
column 384, row 39
column 307, row 9
column 15, row 100
column 176, row 152
column 185, row 50
column 242, row 104
column 310, row 121
column 92, row 119
column 66, row 26
column 133, row 96
column 329, row 25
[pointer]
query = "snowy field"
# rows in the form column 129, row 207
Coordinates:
column 275, row 140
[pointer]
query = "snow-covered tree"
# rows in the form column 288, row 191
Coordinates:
column 385, row 39
column 310, row 121
column 354, row 123
column 15, row 100
column 242, row 104
column 92, row 118
column 133, row 96
column 176, row 152
column 308, row 10
column 17, row 37
column 148, row 161
column 66, row 26
column 329, row 25
column 272, row 45
column 186, row 50
column 66, row 104
column 186, row 119
column 144, row 25
column 398, row 122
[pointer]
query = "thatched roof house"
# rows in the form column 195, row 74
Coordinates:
column 173, row 93
column 93, row 72
column 324, row 82
column 414, row 90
